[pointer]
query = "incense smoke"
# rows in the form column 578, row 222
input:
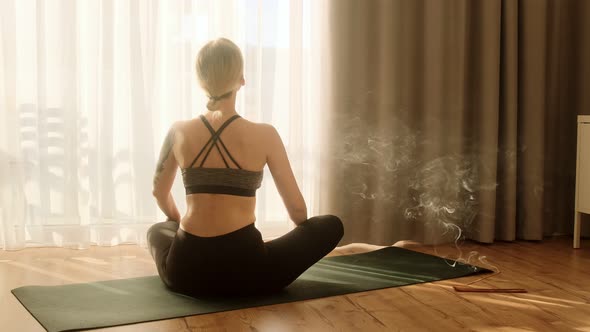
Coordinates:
column 439, row 190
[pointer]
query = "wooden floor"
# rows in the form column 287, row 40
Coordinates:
column 556, row 276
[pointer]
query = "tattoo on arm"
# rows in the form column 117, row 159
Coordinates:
column 164, row 153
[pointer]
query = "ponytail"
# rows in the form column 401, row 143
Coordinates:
column 213, row 100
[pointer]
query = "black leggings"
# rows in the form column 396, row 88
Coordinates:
column 240, row 262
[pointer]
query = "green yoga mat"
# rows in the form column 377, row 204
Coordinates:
column 127, row 301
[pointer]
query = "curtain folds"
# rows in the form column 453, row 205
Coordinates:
column 454, row 119
column 88, row 90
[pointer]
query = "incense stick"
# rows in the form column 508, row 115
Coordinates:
column 469, row 289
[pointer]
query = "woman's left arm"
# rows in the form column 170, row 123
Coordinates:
column 164, row 177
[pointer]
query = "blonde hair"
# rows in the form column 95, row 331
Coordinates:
column 220, row 67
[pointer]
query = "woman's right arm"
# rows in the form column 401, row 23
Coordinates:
column 281, row 171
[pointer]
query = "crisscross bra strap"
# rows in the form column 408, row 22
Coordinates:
column 215, row 137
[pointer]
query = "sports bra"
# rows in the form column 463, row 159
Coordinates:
column 229, row 181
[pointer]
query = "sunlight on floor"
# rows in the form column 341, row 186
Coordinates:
column 518, row 298
column 90, row 260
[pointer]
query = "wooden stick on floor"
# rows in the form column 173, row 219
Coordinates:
column 470, row 289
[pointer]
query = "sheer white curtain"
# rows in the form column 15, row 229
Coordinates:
column 88, row 90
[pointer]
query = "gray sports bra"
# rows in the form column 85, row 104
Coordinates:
column 229, row 181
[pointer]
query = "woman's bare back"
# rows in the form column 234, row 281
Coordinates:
column 217, row 214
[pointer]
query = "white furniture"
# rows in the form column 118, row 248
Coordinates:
column 582, row 175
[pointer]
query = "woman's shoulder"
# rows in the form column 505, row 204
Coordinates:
column 184, row 127
column 179, row 128
column 260, row 127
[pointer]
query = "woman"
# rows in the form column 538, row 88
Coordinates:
column 215, row 249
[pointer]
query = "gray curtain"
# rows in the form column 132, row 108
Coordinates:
column 453, row 119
